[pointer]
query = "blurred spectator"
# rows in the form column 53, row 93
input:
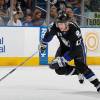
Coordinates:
column 27, row 6
column 61, row 5
column 28, row 21
column 15, row 21
column 2, row 10
column 77, row 7
column 70, row 14
column 16, row 9
column 37, row 19
column 6, row 4
column 53, row 13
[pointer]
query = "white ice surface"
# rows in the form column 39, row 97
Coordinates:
column 42, row 83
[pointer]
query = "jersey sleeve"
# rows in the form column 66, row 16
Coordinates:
column 51, row 31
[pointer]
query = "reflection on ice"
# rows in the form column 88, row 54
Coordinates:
column 42, row 83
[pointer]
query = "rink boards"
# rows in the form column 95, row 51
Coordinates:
column 19, row 43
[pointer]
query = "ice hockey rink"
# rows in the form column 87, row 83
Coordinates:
column 41, row 83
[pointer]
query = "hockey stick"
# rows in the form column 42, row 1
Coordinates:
column 10, row 72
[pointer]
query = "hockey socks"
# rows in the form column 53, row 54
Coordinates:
column 92, row 79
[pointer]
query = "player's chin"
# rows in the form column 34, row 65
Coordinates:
column 61, row 29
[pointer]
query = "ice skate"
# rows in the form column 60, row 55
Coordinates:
column 81, row 78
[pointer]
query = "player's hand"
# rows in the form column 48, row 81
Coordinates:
column 58, row 62
column 42, row 46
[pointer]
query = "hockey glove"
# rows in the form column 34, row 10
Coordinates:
column 58, row 62
column 42, row 46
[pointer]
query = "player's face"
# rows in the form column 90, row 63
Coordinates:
column 61, row 26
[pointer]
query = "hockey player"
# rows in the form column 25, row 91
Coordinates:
column 71, row 47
